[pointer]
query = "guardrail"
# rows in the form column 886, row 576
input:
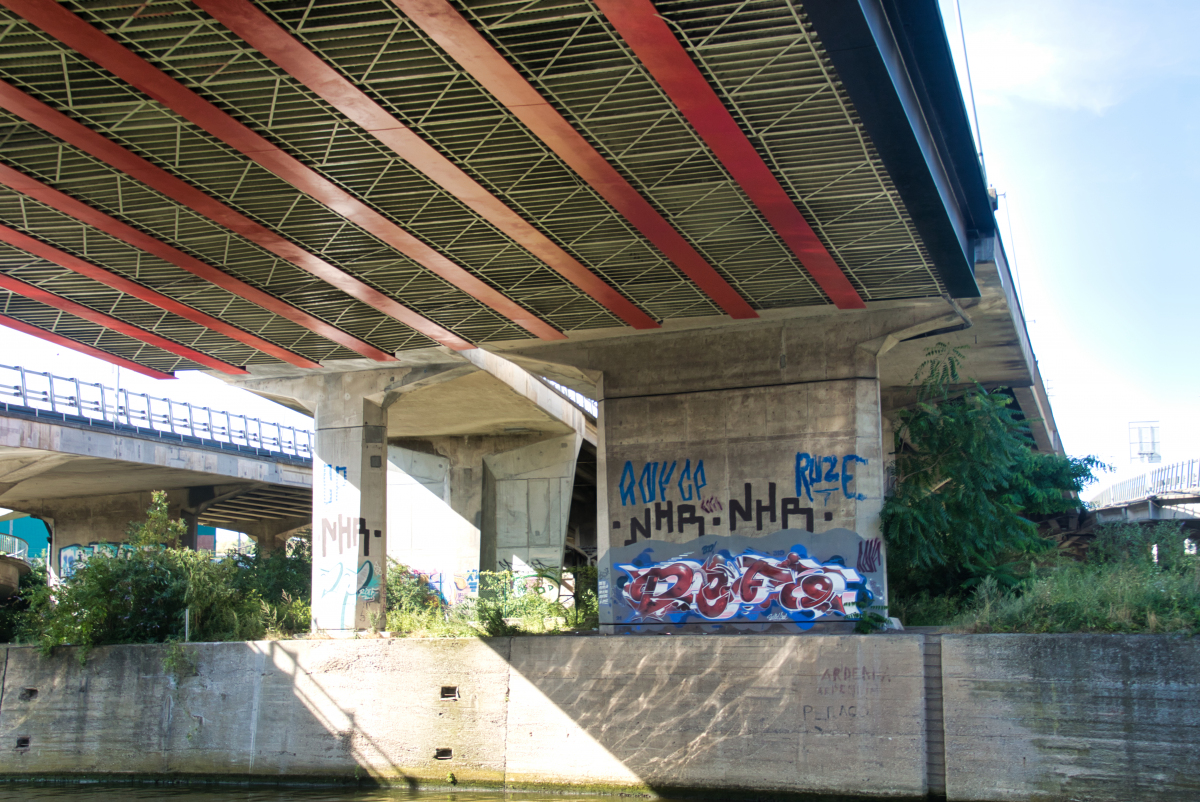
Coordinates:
column 45, row 391
column 575, row 397
column 1182, row 478
column 13, row 546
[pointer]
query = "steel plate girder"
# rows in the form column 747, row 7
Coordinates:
column 658, row 48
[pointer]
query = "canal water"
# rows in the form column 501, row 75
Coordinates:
column 94, row 792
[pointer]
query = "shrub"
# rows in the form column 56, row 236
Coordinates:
column 141, row 596
column 506, row 605
column 1121, row 588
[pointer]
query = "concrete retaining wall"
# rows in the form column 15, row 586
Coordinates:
column 1025, row 717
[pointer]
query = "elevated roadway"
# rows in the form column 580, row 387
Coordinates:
column 735, row 227
column 1171, row 492
column 84, row 458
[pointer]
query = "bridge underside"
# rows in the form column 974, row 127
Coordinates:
column 88, row 482
column 736, row 226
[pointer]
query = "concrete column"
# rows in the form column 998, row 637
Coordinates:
column 426, row 532
column 81, row 527
column 741, row 470
column 349, row 507
column 527, row 504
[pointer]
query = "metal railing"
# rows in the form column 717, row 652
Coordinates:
column 575, row 397
column 13, row 546
column 97, row 402
column 1181, row 479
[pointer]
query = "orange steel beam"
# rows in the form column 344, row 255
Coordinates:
column 117, row 282
column 66, row 342
column 88, row 40
column 292, row 56
column 27, row 185
column 128, row 329
column 442, row 23
column 60, row 125
column 659, row 50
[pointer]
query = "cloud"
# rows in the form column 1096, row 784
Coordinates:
column 1073, row 54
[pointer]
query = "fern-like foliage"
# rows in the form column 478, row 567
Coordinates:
column 965, row 479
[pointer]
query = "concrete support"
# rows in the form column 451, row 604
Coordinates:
column 349, row 507
column 527, row 504
column 80, row 527
column 741, row 471
column 425, row 530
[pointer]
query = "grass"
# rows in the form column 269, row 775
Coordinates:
column 506, row 605
column 1135, row 580
column 1109, row 597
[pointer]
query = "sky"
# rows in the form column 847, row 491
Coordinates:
column 1089, row 112
column 1088, row 117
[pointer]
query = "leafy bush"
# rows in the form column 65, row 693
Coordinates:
column 13, row 610
column 965, row 483
column 141, row 596
column 506, row 605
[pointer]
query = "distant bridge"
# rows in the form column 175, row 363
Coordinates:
column 83, row 457
column 97, row 404
column 1143, row 497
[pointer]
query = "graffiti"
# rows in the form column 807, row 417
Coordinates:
column 368, row 582
column 337, row 593
column 335, row 481
column 347, row 532
column 821, row 475
column 654, row 481
column 750, row 586
column 72, row 558
column 869, row 553
column 451, row 589
column 750, row 509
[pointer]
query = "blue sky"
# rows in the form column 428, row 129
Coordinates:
column 1089, row 119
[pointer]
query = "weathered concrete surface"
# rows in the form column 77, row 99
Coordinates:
column 730, row 713
column 1025, row 717
column 269, row 709
column 1059, row 717
column 614, row 713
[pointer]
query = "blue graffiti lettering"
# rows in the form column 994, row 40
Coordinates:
column 848, row 477
column 627, row 485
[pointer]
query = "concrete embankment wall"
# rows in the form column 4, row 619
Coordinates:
column 974, row 717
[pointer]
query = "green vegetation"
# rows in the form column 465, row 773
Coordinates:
column 966, row 483
column 963, row 546
column 140, row 594
column 506, row 605
column 1121, row 588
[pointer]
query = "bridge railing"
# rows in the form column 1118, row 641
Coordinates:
column 1181, row 478
column 14, row 546
column 45, row 391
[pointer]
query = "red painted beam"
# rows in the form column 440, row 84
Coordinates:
column 662, row 54
column 274, row 42
column 27, row 185
column 443, row 24
column 121, row 327
column 60, row 125
column 63, row 259
column 77, row 34
column 65, row 342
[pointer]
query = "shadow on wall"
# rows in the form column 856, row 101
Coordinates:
column 1108, row 717
column 830, row 714
column 329, row 709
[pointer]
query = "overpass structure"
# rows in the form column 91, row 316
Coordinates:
column 735, row 226
column 1171, row 492
column 84, row 458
